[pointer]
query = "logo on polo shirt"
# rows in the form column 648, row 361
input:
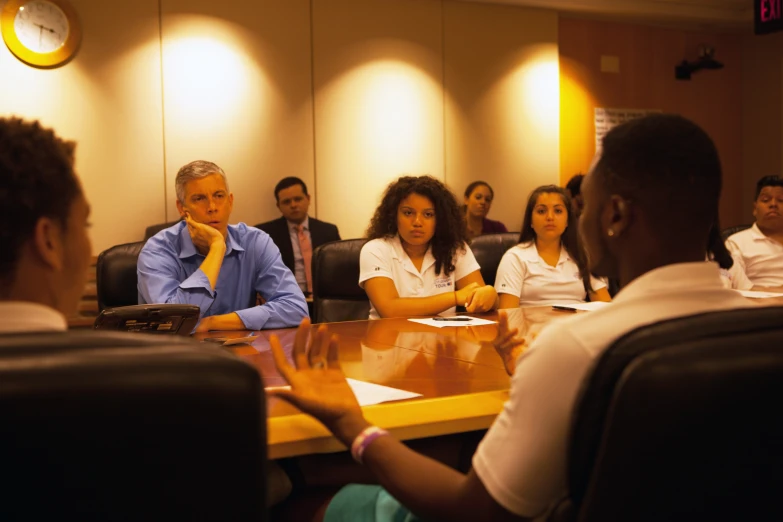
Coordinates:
column 443, row 282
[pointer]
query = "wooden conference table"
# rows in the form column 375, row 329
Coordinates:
column 463, row 385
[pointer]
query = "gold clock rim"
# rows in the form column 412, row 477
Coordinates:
column 54, row 58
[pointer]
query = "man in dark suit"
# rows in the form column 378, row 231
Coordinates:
column 296, row 234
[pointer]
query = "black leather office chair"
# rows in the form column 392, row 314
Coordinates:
column 116, row 279
column 337, row 295
column 154, row 229
column 489, row 249
column 733, row 230
column 120, row 427
column 680, row 421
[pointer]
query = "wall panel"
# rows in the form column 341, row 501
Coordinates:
column 502, row 110
column 647, row 57
column 762, row 113
column 237, row 91
column 107, row 99
column 377, row 69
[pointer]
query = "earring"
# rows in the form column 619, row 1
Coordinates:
column 610, row 232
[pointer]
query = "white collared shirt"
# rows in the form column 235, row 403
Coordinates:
column 522, row 460
column 25, row 316
column 524, row 273
column 386, row 258
column 735, row 277
column 761, row 257
column 299, row 266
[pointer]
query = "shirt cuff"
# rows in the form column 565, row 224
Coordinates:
column 254, row 318
column 198, row 279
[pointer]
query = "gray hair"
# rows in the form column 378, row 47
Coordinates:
column 196, row 170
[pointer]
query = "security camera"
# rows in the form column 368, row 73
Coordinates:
column 706, row 60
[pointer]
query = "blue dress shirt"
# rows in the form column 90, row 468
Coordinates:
column 168, row 272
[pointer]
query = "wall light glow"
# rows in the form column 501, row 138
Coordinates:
column 577, row 138
column 376, row 121
column 206, row 80
column 393, row 114
column 539, row 80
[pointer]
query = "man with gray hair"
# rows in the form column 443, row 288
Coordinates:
column 204, row 261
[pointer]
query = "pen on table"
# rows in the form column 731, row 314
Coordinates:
column 451, row 319
column 563, row 308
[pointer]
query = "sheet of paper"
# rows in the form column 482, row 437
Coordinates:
column 368, row 393
column 595, row 305
column 456, row 320
column 759, row 295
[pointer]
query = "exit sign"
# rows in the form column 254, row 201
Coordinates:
column 768, row 14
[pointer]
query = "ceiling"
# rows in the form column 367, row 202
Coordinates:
column 698, row 14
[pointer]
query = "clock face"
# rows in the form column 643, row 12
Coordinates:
column 41, row 26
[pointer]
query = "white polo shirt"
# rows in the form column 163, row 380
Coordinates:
column 386, row 258
column 523, row 272
column 735, row 277
column 761, row 257
column 522, row 459
column 24, row 316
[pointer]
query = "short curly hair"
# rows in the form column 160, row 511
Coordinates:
column 36, row 180
column 450, row 233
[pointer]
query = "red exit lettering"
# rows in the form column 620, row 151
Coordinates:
column 770, row 10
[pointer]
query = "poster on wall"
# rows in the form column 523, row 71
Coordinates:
column 605, row 119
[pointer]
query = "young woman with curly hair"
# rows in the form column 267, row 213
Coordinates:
column 547, row 266
column 417, row 261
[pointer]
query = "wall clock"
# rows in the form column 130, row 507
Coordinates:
column 43, row 33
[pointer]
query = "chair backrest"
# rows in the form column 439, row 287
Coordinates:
column 154, row 229
column 489, row 249
column 680, row 421
column 337, row 295
column 109, row 426
column 733, row 230
column 116, row 279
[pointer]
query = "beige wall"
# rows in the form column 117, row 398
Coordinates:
column 647, row 56
column 502, row 102
column 377, row 73
column 237, row 91
column 108, row 100
column 762, row 113
column 347, row 96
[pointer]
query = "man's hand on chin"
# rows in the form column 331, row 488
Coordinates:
column 203, row 236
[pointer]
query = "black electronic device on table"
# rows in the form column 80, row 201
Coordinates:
column 173, row 319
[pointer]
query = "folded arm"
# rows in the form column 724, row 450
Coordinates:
column 159, row 280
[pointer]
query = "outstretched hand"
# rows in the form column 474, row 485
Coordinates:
column 318, row 384
column 507, row 344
